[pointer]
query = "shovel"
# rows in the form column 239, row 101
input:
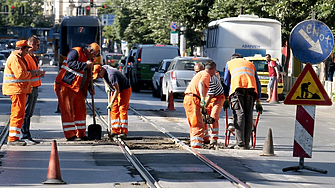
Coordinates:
column 94, row 130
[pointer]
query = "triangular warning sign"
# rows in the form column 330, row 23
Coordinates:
column 308, row 90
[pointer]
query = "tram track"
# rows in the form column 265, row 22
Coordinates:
column 151, row 182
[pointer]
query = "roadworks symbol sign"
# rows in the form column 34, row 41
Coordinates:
column 308, row 90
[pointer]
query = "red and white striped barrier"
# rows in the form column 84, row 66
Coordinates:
column 304, row 129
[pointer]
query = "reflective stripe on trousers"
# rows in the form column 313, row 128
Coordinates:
column 214, row 108
column 16, row 116
column 194, row 118
column 73, row 111
column 119, row 112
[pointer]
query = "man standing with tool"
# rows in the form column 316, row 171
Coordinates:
column 32, row 63
column 119, row 85
column 242, row 84
column 16, row 84
column 194, row 100
column 71, row 86
column 214, row 103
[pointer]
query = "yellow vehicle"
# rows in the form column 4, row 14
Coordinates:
column 263, row 74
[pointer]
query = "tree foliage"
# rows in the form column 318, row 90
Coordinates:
column 32, row 17
column 147, row 21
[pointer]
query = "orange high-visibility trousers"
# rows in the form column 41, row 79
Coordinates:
column 73, row 111
column 194, row 118
column 214, row 108
column 16, row 116
column 119, row 112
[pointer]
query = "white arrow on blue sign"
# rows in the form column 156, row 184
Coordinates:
column 311, row 41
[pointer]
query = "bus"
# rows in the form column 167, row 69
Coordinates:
column 78, row 31
column 246, row 34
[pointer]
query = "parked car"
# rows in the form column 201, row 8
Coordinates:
column 158, row 77
column 179, row 75
column 3, row 60
column 6, row 53
column 113, row 59
column 47, row 58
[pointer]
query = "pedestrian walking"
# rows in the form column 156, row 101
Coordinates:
column 214, row 104
column 273, row 76
column 71, row 86
column 16, row 84
column 194, row 100
column 120, row 87
column 242, row 86
column 32, row 64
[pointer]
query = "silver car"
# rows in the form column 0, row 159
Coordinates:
column 179, row 75
column 158, row 77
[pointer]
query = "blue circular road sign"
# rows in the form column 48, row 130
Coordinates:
column 311, row 41
column 173, row 25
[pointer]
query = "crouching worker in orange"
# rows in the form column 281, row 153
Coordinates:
column 119, row 85
column 194, row 100
column 214, row 104
column 71, row 86
column 16, row 84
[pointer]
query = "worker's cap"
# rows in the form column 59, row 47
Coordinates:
column 96, row 69
column 95, row 47
column 22, row 43
column 236, row 55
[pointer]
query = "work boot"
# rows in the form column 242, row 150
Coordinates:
column 231, row 128
column 17, row 143
column 73, row 138
column 122, row 136
column 29, row 142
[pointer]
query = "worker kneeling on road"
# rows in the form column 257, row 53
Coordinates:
column 71, row 86
column 16, row 84
column 242, row 84
column 119, row 85
column 194, row 100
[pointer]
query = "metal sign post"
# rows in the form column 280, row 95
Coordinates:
column 311, row 42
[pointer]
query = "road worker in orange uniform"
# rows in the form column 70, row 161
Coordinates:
column 120, row 87
column 194, row 100
column 214, row 103
column 71, row 86
column 242, row 85
column 32, row 64
column 16, row 84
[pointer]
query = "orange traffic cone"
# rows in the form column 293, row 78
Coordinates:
column 171, row 104
column 54, row 176
column 274, row 96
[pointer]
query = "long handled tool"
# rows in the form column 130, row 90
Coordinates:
column 94, row 130
column 253, row 132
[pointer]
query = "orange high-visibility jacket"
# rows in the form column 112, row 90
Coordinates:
column 74, row 79
column 33, row 65
column 242, row 74
column 16, row 77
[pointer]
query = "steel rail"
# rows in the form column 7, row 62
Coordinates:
column 149, row 179
column 4, row 133
column 208, row 162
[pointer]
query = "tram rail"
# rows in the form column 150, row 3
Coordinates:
column 146, row 175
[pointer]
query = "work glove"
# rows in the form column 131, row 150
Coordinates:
column 259, row 108
column 107, row 89
column 110, row 105
column 226, row 104
column 202, row 102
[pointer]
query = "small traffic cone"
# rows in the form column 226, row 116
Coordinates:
column 274, row 96
column 171, row 104
column 54, row 176
column 268, row 145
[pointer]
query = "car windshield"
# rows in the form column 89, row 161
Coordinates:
column 260, row 65
column 188, row 64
